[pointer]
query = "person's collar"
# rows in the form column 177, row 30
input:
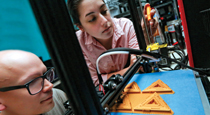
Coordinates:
column 89, row 39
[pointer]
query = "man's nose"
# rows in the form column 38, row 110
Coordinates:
column 47, row 86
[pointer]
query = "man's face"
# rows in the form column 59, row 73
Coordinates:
column 19, row 101
column 95, row 19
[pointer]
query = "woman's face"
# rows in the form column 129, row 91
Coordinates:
column 95, row 19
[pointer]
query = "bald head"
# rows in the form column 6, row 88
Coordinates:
column 16, row 63
column 18, row 68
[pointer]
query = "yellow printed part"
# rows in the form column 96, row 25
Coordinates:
column 155, row 46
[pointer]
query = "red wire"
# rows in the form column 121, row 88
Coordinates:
column 175, row 43
column 101, row 88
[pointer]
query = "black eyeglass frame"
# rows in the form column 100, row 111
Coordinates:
column 4, row 89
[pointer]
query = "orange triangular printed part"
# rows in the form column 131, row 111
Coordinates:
column 159, row 87
column 153, row 104
column 123, row 106
column 132, row 88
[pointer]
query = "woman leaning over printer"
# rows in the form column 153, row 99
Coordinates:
column 99, row 33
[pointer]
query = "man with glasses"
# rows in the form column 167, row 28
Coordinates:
column 25, row 86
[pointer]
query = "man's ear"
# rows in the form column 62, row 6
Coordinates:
column 80, row 27
column 2, row 107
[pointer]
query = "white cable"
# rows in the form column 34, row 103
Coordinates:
column 122, row 52
column 109, row 53
column 150, row 57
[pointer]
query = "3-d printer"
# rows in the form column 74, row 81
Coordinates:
column 52, row 17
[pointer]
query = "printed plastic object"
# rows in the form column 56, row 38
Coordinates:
column 153, row 104
column 142, row 103
column 159, row 87
column 132, row 88
column 132, row 100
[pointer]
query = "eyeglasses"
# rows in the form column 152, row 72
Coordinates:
column 36, row 85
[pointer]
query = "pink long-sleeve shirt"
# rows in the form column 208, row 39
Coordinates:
column 124, row 36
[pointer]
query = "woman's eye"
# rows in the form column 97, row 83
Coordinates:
column 93, row 19
column 104, row 12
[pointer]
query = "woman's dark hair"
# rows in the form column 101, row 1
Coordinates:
column 73, row 10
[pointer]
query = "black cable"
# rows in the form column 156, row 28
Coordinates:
column 181, row 53
column 125, row 50
column 185, row 65
column 132, row 51
column 181, row 56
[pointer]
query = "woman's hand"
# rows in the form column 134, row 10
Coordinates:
column 152, row 24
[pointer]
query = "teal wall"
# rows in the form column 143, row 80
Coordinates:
column 19, row 29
